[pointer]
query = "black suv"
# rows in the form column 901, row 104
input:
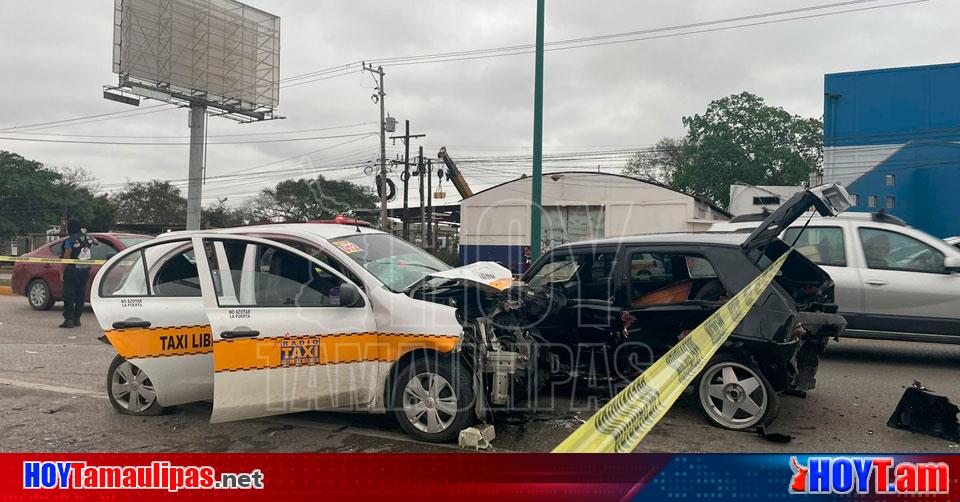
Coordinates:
column 635, row 297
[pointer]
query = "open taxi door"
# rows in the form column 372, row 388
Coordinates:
column 148, row 302
column 289, row 332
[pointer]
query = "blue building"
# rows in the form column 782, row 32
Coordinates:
column 892, row 137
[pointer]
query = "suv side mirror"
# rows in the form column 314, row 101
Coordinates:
column 952, row 264
column 350, row 296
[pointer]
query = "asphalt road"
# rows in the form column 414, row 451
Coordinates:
column 52, row 398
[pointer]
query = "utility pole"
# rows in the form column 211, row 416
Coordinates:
column 381, row 95
column 537, row 181
column 431, row 245
column 406, row 173
column 197, row 123
column 423, row 215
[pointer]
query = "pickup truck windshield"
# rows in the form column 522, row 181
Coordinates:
column 395, row 262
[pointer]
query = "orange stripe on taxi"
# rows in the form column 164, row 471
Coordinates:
column 161, row 342
column 314, row 350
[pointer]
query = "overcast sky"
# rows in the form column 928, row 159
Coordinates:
column 56, row 55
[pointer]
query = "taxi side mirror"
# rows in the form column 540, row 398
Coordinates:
column 350, row 296
column 952, row 264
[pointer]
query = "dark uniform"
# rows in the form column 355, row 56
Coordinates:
column 75, row 276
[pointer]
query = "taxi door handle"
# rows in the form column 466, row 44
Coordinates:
column 876, row 282
column 131, row 324
column 239, row 334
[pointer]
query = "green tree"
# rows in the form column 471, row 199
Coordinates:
column 34, row 197
column 102, row 213
column 662, row 162
column 311, row 199
column 27, row 203
column 75, row 194
column 741, row 139
column 220, row 215
column 152, row 202
column 738, row 138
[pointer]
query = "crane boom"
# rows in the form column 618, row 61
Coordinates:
column 454, row 174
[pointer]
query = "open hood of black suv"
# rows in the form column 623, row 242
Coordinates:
column 827, row 200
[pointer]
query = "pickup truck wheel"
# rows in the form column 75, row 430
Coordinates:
column 130, row 390
column 433, row 399
column 733, row 394
column 38, row 295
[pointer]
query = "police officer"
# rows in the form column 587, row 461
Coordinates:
column 76, row 247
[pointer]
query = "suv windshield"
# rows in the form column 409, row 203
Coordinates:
column 553, row 272
column 395, row 262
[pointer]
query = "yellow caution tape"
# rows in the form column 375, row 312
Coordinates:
column 71, row 261
column 623, row 422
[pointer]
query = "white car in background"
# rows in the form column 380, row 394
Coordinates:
column 953, row 241
column 893, row 282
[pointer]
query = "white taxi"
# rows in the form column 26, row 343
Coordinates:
column 275, row 319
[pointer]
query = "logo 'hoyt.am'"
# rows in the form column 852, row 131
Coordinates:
column 868, row 475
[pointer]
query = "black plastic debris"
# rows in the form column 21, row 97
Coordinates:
column 773, row 437
column 923, row 412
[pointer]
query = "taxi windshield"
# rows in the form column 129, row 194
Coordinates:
column 395, row 262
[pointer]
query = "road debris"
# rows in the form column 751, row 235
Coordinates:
column 478, row 437
column 924, row 412
column 773, row 437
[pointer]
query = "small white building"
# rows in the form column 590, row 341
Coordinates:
column 495, row 223
column 755, row 199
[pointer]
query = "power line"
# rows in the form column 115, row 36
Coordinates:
column 245, row 172
column 147, row 110
column 123, row 113
column 341, row 67
column 79, row 118
column 517, row 52
column 342, row 70
column 318, row 79
column 622, row 34
column 352, row 67
column 140, row 143
column 573, row 43
column 301, row 155
column 123, row 136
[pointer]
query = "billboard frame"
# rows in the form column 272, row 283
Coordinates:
column 263, row 96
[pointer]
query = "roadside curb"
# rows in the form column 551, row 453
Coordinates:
column 6, row 291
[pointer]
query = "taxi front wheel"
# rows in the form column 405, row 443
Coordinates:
column 433, row 398
column 130, row 390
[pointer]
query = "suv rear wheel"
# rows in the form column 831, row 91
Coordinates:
column 734, row 394
column 433, row 399
column 38, row 295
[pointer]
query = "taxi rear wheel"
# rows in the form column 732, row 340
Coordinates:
column 130, row 390
column 433, row 399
